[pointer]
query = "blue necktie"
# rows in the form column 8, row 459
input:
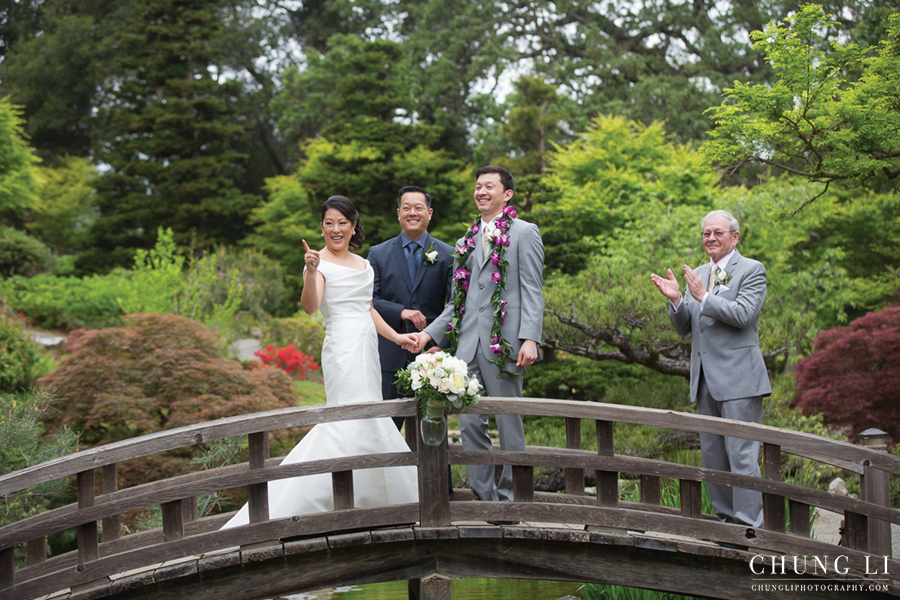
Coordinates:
column 412, row 260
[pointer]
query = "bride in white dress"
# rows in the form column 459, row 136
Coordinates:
column 339, row 283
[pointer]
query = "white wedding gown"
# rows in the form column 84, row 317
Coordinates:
column 352, row 373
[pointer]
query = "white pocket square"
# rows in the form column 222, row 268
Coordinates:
column 723, row 287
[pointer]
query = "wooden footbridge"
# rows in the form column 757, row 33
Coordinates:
column 568, row 536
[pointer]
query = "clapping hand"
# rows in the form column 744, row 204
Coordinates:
column 694, row 283
column 311, row 258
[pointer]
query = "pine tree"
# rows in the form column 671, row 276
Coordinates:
column 171, row 127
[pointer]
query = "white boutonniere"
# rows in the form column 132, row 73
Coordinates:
column 431, row 255
column 722, row 277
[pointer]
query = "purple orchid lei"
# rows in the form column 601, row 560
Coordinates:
column 499, row 242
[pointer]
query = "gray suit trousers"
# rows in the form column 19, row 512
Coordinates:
column 475, row 431
column 737, row 455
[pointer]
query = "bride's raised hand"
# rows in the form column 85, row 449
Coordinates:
column 311, row 258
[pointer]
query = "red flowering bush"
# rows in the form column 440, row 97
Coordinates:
column 853, row 375
column 288, row 359
column 157, row 373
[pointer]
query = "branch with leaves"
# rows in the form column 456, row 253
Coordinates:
column 830, row 116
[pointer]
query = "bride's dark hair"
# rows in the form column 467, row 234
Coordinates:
column 343, row 205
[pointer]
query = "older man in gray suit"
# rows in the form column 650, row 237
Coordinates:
column 728, row 376
column 498, row 251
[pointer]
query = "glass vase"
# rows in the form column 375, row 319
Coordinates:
column 433, row 426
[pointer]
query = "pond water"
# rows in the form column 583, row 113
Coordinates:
column 462, row 589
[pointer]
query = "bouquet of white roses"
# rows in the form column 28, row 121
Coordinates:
column 440, row 378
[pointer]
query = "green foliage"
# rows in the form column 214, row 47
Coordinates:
column 23, row 443
column 22, row 254
column 605, row 178
column 611, row 311
column 18, row 185
column 67, row 206
column 350, row 110
column 830, row 116
column 170, row 132
column 157, row 373
column 20, row 358
column 159, row 285
column 66, row 303
column 306, row 332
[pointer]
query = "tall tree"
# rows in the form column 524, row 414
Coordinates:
column 56, row 69
column 831, row 116
column 171, row 126
column 18, row 184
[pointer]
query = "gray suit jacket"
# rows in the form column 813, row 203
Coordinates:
column 393, row 291
column 524, row 280
column 725, row 336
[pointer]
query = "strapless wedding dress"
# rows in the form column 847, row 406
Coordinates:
column 352, row 373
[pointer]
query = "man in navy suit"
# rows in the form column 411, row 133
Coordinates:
column 728, row 375
column 413, row 279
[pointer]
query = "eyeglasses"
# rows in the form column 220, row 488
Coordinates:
column 716, row 234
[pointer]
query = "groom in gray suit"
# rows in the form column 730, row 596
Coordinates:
column 728, row 376
column 499, row 361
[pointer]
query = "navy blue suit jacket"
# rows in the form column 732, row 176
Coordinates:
column 394, row 291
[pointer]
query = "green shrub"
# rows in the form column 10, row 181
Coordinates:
column 306, row 332
column 157, row 373
column 23, row 443
column 22, row 254
column 20, row 358
column 67, row 303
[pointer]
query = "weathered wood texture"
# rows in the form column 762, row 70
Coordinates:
column 182, row 536
column 876, row 489
column 538, row 553
column 574, row 477
column 841, row 454
column 112, row 525
column 773, row 504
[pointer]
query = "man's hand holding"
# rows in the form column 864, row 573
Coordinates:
column 415, row 317
column 422, row 338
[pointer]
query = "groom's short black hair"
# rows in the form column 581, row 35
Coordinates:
column 412, row 188
column 506, row 178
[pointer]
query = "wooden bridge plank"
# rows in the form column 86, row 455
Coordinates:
column 342, row 489
column 574, row 477
column 651, row 491
column 773, row 504
column 87, row 539
column 258, row 493
column 523, row 484
column 607, row 481
column 112, row 525
column 800, row 524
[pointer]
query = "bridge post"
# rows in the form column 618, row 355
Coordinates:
column 433, row 587
column 574, row 477
column 876, row 488
column 434, row 499
column 7, row 567
column 607, row 481
column 88, row 545
column 258, row 493
column 112, row 526
column 773, row 505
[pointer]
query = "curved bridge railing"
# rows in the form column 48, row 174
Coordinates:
column 431, row 532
